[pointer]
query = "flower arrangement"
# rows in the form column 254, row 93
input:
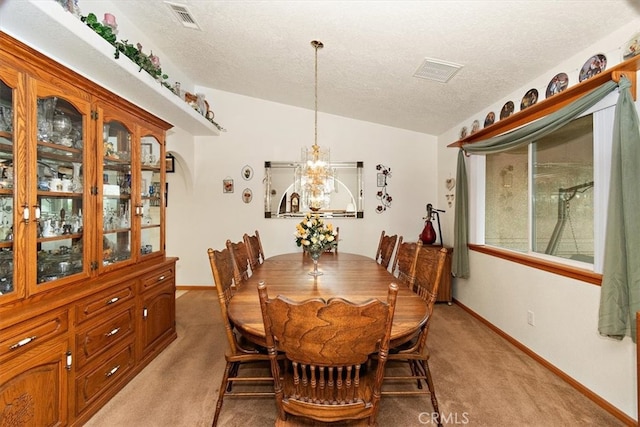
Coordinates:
column 314, row 235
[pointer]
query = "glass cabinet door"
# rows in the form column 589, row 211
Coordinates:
column 6, row 186
column 152, row 189
column 61, row 129
column 117, row 208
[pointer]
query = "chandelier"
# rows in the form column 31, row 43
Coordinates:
column 316, row 176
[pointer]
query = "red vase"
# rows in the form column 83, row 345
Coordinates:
column 428, row 235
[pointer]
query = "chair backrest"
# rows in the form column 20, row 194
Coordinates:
column 222, row 270
column 404, row 264
column 254, row 246
column 428, row 274
column 326, row 344
column 240, row 255
column 385, row 249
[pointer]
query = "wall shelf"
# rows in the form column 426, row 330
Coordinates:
column 627, row 68
column 64, row 38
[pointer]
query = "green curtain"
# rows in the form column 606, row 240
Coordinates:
column 620, row 292
column 504, row 142
column 460, row 257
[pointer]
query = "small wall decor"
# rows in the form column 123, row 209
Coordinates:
column 529, row 98
column 475, row 126
column 383, row 196
column 247, row 195
column 490, row 119
column 169, row 163
column 594, row 65
column 558, row 83
column 507, row 110
column 227, row 185
column 450, row 183
column 632, row 48
column 247, row 173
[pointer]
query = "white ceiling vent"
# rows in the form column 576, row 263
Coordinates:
column 437, row 70
column 181, row 12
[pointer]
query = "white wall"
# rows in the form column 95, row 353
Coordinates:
column 566, row 310
column 200, row 215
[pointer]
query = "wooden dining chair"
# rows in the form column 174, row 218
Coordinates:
column 254, row 247
column 325, row 344
column 240, row 256
column 404, row 263
column 385, row 249
column 428, row 270
column 239, row 352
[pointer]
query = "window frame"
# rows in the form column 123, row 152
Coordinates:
column 603, row 114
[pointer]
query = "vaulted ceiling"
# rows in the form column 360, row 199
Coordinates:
column 372, row 49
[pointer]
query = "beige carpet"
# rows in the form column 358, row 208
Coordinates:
column 480, row 380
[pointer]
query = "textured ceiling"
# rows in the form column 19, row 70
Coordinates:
column 372, row 49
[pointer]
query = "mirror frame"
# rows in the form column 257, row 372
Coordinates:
column 358, row 193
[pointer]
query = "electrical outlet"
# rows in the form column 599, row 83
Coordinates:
column 531, row 318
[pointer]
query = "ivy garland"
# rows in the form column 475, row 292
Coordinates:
column 150, row 63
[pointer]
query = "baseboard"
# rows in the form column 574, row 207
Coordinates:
column 195, row 288
column 626, row 419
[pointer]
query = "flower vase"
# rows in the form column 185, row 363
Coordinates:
column 76, row 179
column 315, row 256
column 428, row 235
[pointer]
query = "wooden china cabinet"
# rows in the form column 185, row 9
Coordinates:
column 87, row 295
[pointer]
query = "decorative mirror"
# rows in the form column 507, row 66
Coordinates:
column 285, row 195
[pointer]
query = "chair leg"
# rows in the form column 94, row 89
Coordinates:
column 233, row 372
column 432, row 390
column 415, row 371
column 225, row 386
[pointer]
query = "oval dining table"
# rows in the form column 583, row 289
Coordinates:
column 356, row 278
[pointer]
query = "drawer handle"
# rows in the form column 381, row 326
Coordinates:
column 112, row 332
column 160, row 278
column 113, row 371
column 113, row 300
column 22, row 342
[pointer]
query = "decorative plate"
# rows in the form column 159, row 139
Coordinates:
column 558, row 83
column 507, row 110
column 529, row 98
column 247, row 195
column 632, row 48
column 463, row 132
column 594, row 65
column 475, row 127
column 490, row 119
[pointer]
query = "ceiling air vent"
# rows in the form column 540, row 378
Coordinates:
column 437, row 70
column 181, row 12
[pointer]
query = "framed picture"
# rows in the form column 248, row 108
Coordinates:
column 247, row 195
column 382, row 180
column 227, row 185
column 247, row 173
column 169, row 163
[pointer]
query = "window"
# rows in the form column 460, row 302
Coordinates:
column 548, row 199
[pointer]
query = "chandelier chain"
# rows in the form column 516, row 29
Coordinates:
column 317, row 45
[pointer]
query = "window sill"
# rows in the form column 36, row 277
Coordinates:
column 541, row 264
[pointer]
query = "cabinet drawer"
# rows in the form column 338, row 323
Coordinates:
column 94, row 382
column 25, row 335
column 94, row 341
column 97, row 304
column 156, row 278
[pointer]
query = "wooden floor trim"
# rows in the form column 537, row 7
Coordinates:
column 626, row 419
